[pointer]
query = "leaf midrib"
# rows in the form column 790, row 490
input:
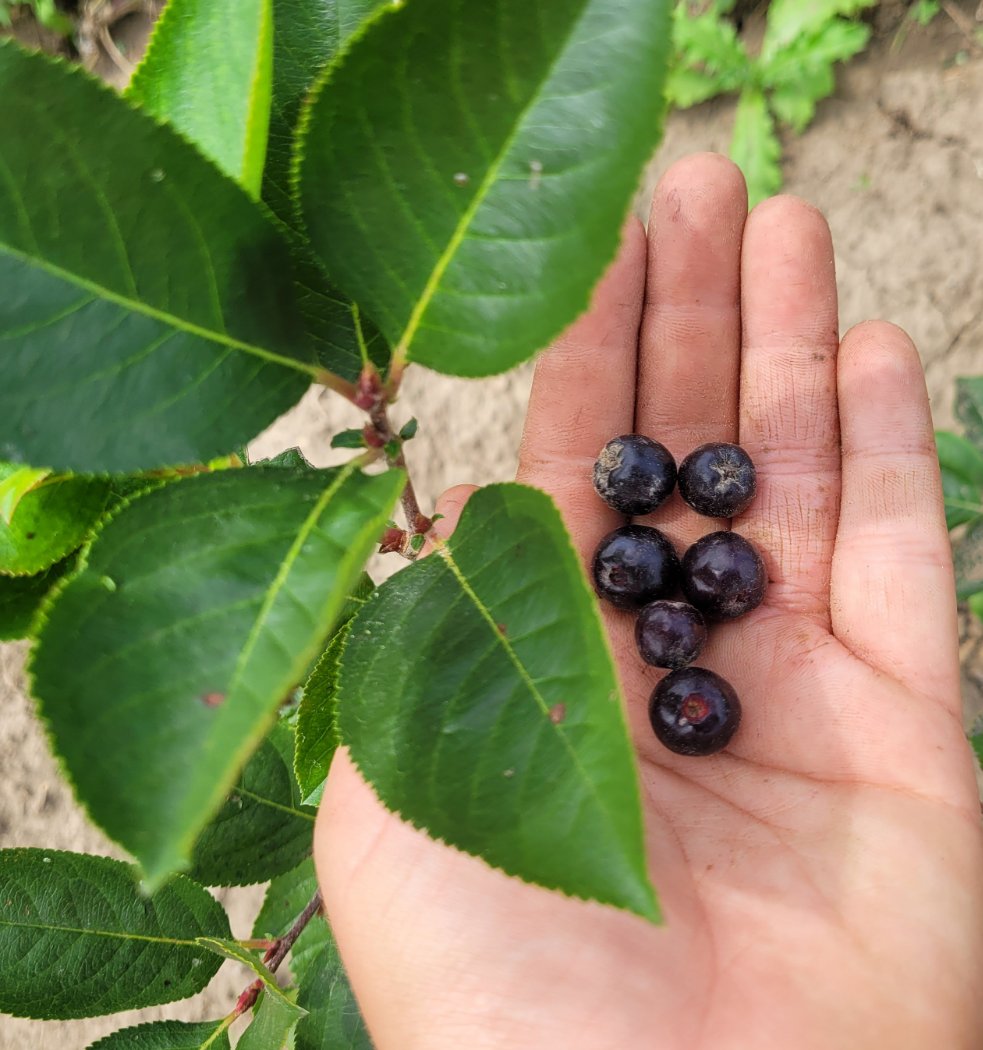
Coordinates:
column 501, row 640
column 169, row 319
column 118, row 935
column 253, row 179
column 283, row 573
column 401, row 349
column 273, row 805
column 275, row 588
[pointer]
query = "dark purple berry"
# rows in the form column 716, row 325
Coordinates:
column 634, row 565
column 718, row 480
column 634, row 474
column 694, row 711
column 723, row 576
column 670, row 634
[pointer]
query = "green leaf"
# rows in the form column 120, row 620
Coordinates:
column 307, row 35
column 343, row 338
column 802, row 74
column 15, row 482
column 923, row 11
column 409, row 429
column 969, row 407
column 262, row 830
column 291, row 457
column 687, row 87
column 790, row 21
column 78, row 938
column 208, row 72
column 977, row 742
column 162, row 663
column 796, row 107
column 710, row 60
column 959, row 456
column 274, row 1019
column 478, row 697
column 21, row 598
column 288, row 895
column 168, row 1035
column 755, row 146
column 333, row 1016
column 317, row 734
column 276, row 1013
column 148, row 314
column 52, row 519
column 51, row 18
column 962, row 478
column 348, row 439
column 230, row 949
column 470, row 204
column 968, row 561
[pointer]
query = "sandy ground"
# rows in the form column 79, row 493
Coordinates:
column 895, row 160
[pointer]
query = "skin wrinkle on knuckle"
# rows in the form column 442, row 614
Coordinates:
column 790, row 523
column 782, row 415
column 687, row 327
column 802, row 459
column 859, row 449
column 882, row 493
column 570, row 357
column 899, row 549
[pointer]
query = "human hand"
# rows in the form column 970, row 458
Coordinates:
column 822, row 878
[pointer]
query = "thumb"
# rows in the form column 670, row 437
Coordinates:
column 450, row 504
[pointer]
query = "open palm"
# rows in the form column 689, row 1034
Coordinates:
column 822, row 879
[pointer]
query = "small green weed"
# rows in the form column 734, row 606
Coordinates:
column 45, row 11
column 961, row 460
column 783, row 82
column 924, row 11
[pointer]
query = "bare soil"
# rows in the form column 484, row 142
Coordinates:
column 894, row 159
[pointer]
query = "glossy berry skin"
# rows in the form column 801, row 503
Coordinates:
column 670, row 634
column 718, row 480
column 634, row 565
column 694, row 711
column 723, row 576
column 634, row 474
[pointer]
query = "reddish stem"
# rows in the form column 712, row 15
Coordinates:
column 276, row 953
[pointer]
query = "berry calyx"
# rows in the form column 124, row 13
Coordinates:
column 718, row 480
column 634, row 565
column 723, row 576
column 634, row 474
column 694, row 711
column 670, row 634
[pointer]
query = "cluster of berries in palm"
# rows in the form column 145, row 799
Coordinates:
column 692, row 710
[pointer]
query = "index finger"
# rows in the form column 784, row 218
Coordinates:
column 583, row 394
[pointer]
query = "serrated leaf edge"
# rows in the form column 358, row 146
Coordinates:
column 344, row 629
column 654, row 915
column 300, row 130
column 185, row 845
column 75, row 70
column 86, row 536
column 222, row 1026
column 250, row 182
column 229, row 949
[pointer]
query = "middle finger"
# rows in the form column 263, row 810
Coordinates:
column 690, row 349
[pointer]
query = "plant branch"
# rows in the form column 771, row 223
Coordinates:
column 374, row 397
column 275, row 954
column 283, row 944
column 417, row 523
